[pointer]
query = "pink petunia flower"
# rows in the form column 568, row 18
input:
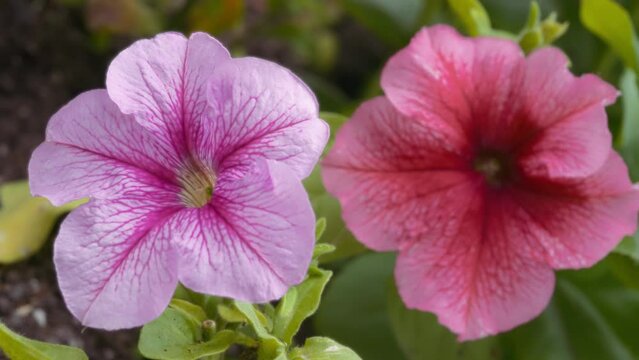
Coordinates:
column 193, row 163
column 486, row 170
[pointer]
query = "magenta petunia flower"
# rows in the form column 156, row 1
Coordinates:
column 193, row 163
column 486, row 170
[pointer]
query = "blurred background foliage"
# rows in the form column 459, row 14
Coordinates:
column 339, row 47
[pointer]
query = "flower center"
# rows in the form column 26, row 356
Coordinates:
column 197, row 184
column 495, row 167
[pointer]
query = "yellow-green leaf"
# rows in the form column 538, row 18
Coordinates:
column 21, row 348
column 25, row 221
column 612, row 23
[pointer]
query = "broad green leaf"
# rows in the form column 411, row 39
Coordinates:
column 321, row 348
column 612, row 23
column 472, row 15
column 299, row 303
column 420, row 336
column 26, row 222
column 176, row 335
column 189, row 309
column 168, row 336
column 354, row 311
column 18, row 347
column 591, row 316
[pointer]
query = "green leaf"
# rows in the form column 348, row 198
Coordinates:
column 176, row 335
column 270, row 348
column 420, row 336
column 251, row 314
column 472, row 15
column 168, row 336
column 299, row 303
column 591, row 316
column 629, row 247
column 25, row 221
column 322, row 249
column 247, row 309
column 230, row 314
column 628, row 141
column 612, row 23
column 321, row 348
column 196, row 313
column 320, row 226
column 354, row 311
column 19, row 347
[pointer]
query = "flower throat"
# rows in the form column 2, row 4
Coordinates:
column 197, row 182
column 496, row 167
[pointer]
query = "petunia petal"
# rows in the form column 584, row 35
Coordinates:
column 470, row 84
column 92, row 149
column 390, row 173
column 261, row 109
column 554, row 93
column 115, row 262
column 163, row 82
column 570, row 136
column 253, row 242
column 255, row 108
column 575, row 223
column 473, row 277
column 492, row 269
